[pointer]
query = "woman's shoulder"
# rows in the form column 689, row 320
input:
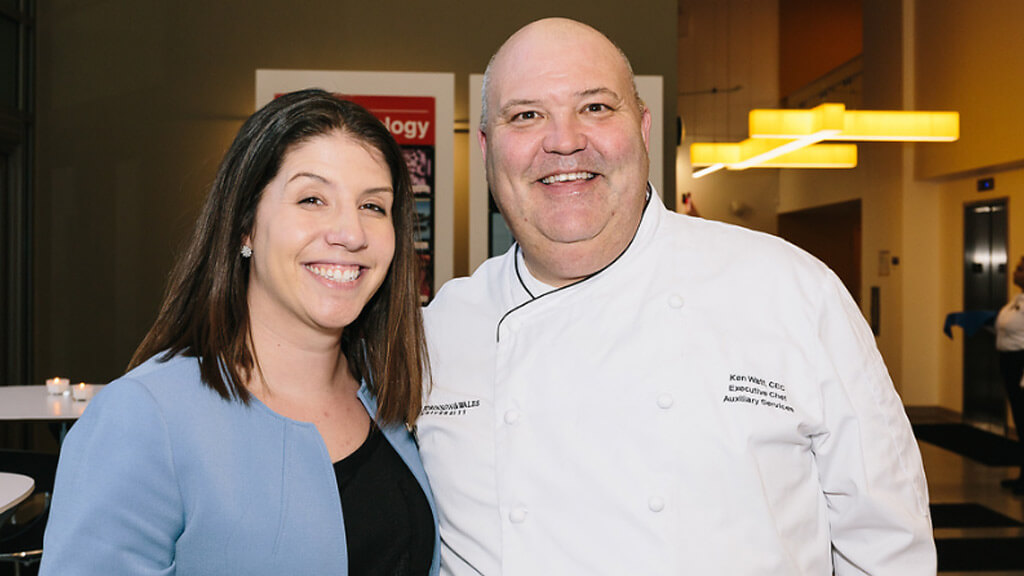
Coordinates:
column 166, row 397
column 164, row 367
column 170, row 382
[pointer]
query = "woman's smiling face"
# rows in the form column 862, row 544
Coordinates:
column 323, row 237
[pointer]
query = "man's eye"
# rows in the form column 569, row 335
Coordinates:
column 598, row 107
column 528, row 115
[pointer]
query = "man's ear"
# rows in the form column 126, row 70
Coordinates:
column 481, row 138
column 645, row 128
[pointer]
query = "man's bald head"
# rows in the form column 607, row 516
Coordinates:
column 554, row 33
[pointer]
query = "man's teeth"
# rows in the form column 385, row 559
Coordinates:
column 570, row 177
column 335, row 274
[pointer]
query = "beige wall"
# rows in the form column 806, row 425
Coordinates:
column 137, row 101
column 881, row 193
column 969, row 58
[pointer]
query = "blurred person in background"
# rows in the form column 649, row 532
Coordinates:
column 1010, row 344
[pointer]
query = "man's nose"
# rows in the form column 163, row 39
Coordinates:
column 565, row 135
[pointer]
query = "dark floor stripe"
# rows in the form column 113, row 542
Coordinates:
column 980, row 554
column 969, row 515
column 978, row 445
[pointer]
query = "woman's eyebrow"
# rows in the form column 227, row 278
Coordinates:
column 310, row 175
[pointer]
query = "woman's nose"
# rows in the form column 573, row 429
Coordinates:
column 346, row 229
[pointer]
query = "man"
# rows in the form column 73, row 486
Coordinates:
column 632, row 391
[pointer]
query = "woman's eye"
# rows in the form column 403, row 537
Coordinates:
column 375, row 208
column 313, row 200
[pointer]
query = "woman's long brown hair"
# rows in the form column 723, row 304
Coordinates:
column 205, row 312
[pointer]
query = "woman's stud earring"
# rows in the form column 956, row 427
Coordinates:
column 246, row 251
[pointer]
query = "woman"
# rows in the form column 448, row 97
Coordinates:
column 276, row 388
column 1010, row 344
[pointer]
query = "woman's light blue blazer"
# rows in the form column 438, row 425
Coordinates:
column 163, row 476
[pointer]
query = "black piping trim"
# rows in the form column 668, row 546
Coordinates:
column 519, row 275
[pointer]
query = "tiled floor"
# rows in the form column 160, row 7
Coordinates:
column 955, row 479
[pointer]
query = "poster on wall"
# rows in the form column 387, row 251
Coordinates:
column 411, row 106
column 411, row 120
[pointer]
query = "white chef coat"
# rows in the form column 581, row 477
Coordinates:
column 711, row 403
column 1010, row 326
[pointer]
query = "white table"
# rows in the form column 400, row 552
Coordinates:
column 34, row 403
column 14, row 488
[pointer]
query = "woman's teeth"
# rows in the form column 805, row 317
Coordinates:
column 570, row 177
column 335, row 273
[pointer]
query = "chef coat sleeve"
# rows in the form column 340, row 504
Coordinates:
column 868, row 461
column 116, row 505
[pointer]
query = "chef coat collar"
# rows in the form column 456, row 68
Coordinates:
column 535, row 289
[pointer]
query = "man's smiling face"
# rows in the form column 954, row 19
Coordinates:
column 565, row 146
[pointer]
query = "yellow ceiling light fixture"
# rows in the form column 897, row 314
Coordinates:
column 763, row 153
column 825, row 120
column 709, row 169
column 765, row 150
column 856, row 125
column 789, row 138
column 817, row 156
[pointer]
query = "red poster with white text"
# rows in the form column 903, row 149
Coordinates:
column 410, row 119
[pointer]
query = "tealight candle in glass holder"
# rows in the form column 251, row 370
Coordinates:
column 57, row 386
column 81, row 391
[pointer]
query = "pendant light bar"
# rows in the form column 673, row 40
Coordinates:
column 789, row 138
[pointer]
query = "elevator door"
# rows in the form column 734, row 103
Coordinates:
column 984, row 289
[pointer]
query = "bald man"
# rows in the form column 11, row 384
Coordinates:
column 632, row 391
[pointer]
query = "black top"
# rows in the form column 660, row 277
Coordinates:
column 388, row 524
